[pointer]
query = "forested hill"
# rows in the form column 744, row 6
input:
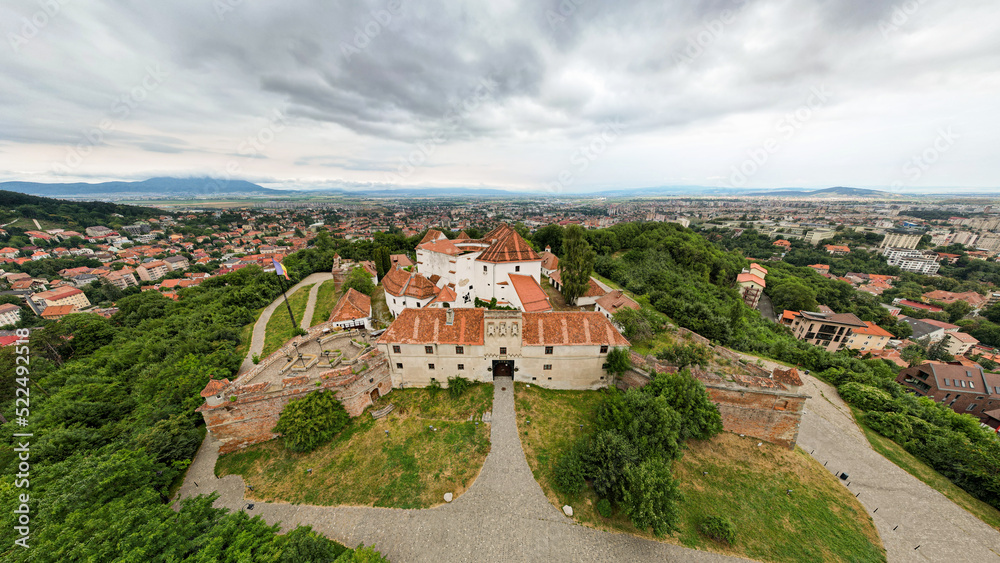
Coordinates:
column 70, row 214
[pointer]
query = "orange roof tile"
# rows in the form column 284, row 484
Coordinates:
column 429, row 326
column 750, row 278
column 615, row 300
column 431, row 235
column 531, row 295
column 872, row 329
column 509, row 248
column 351, row 305
column 443, row 246
column 214, row 387
column 570, row 328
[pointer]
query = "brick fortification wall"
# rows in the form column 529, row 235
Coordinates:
column 756, row 406
column 250, row 410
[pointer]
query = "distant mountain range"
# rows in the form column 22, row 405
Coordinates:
column 182, row 187
column 168, row 187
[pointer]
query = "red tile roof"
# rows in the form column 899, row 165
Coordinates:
column 443, row 246
column 872, row 329
column 214, row 387
column 400, row 260
column 509, row 248
column 428, row 326
column 56, row 311
column 409, row 284
column 570, row 328
column 615, row 300
column 750, row 278
column 431, row 235
column 549, row 261
column 352, row 305
column 531, row 295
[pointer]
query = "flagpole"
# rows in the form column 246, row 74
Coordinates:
column 282, row 273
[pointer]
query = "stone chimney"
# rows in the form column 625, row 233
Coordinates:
column 449, row 316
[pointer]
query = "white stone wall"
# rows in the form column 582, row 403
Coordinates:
column 397, row 304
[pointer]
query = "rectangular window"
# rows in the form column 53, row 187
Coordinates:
column 503, row 350
column 972, row 384
column 946, row 382
column 970, row 407
column 548, row 350
column 461, row 367
column 460, row 350
column 396, row 350
column 604, row 366
column 517, row 268
column 430, row 366
column 604, row 349
column 484, row 269
column 963, row 383
column 547, row 367
column 399, row 366
column 428, row 349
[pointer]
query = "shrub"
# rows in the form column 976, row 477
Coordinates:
column 604, row 508
column 434, row 386
column 312, row 420
column 458, row 385
column 571, row 471
column 719, row 528
column 865, row 397
column 255, row 359
column 650, row 497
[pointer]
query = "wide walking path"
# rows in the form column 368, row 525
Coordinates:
column 504, row 516
column 260, row 327
column 910, row 513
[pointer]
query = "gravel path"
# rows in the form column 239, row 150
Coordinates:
column 910, row 513
column 504, row 516
column 260, row 327
column 310, row 307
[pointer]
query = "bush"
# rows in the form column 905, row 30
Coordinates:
column 434, row 386
column 719, row 528
column 312, row 420
column 458, row 385
column 571, row 470
column 604, row 508
column 255, row 359
column 865, row 397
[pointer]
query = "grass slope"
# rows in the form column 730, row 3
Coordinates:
column 279, row 326
column 326, row 300
column 410, row 467
column 820, row 521
column 909, row 463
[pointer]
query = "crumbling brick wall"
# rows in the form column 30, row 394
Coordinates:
column 772, row 416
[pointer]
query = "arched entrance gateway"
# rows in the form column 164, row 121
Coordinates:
column 503, row 368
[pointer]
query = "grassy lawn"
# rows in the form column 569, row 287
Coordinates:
column 380, row 309
column 555, row 297
column 326, row 299
column 246, row 335
column 411, row 467
column 279, row 326
column 819, row 521
column 905, row 460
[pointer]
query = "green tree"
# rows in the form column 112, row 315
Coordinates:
column 359, row 279
column 699, row 417
column 619, row 361
column 651, row 497
column 639, row 324
column 576, row 264
column 383, row 261
column 609, row 456
column 310, row 421
column 685, row 354
column 956, row 310
column 914, row 354
column 793, row 294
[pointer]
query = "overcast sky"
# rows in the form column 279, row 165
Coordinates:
column 571, row 96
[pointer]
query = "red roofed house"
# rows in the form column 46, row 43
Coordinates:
column 837, row 250
column 959, row 343
column 614, row 301
column 478, row 268
column 550, row 262
column 407, row 289
column 828, row 330
column 752, row 284
column 62, row 296
column 871, row 338
column 964, row 389
column 57, row 312
column 9, row 314
column 558, row 350
column 353, row 310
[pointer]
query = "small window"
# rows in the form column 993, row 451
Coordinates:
column 547, row 367
column 430, row 366
column 503, row 350
column 548, row 350
column 399, row 365
column 970, row 407
column 550, row 379
column 605, row 365
column 534, row 378
column 393, row 301
column 484, row 269
column 972, row 384
column 396, row 350
column 517, row 268
column 461, row 367
column 604, row 349
column 460, row 350
column 963, row 383
column 418, row 304
column 946, row 382
column 428, row 349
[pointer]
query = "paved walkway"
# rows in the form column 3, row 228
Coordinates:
column 310, row 307
column 260, row 327
column 910, row 513
column 504, row 516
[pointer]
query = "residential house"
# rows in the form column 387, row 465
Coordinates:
column 966, row 389
column 177, row 263
column 837, row 250
column 353, row 310
column 831, row 331
column 959, row 343
column 54, row 313
column 870, row 338
column 151, row 271
column 9, row 314
column 62, row 296
column 614, row 301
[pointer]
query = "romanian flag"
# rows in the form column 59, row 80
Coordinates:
column 279, row 270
